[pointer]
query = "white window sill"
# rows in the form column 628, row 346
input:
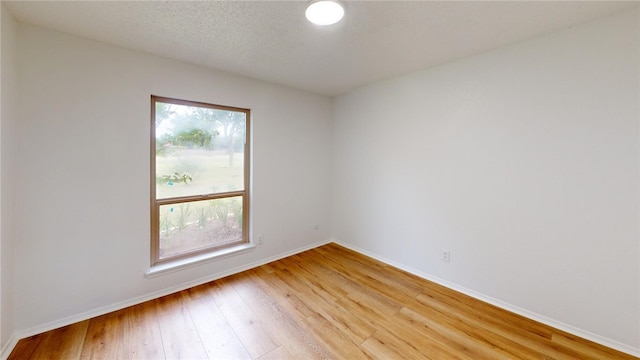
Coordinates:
column 181, row 264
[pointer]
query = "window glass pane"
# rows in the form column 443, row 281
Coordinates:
column 198, row 150
column 196, row 225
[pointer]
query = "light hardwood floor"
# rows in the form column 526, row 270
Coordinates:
column 326, row 303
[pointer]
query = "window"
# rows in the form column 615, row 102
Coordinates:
column 199, row 178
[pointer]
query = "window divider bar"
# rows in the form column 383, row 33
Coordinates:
column 190, row 198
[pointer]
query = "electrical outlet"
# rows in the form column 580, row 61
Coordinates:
column 446, row 255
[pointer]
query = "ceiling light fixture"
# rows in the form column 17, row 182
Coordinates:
column 324, row 12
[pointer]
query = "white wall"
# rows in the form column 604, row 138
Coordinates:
column 523, row 162
column 82, row 171
column 7, row 120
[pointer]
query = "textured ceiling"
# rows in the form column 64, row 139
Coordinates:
column 272, row 41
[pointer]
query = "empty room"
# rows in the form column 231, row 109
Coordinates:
column 255, row 180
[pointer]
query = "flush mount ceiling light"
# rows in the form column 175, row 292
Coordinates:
column 324, row 12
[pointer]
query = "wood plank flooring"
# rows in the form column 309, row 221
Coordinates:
column 325, row 303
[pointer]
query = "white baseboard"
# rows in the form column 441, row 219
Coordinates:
column 21, row 334
column 501, row 304
column 8, row 347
